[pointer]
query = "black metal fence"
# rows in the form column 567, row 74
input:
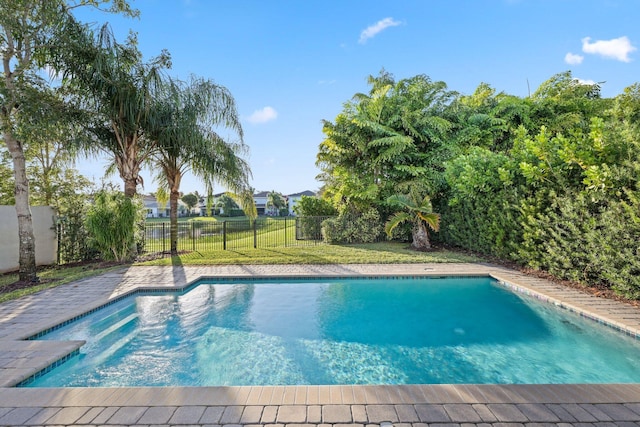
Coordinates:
column 234, row 234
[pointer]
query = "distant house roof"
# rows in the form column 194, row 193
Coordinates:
column 262, row 194
column 304, row 193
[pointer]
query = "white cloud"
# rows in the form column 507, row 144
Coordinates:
column 586, row 82
column 618, row 49
column 326, row 82
column 573, row 59
column 263, row 116
column 374, row 29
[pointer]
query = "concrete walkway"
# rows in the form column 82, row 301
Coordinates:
column 419, row 406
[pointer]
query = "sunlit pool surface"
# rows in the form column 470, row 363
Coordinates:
column 330, row 331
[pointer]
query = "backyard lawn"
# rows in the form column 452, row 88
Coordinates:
column 372, row 253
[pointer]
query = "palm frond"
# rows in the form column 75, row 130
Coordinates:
column 395, row 220
column 432, row 219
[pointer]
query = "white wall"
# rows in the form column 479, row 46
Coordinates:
column 292, row 202
column 44, row 230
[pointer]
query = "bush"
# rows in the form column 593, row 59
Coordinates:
column 73, row 236
column 113, row 224
column 314, row 206
column 309, row 227
column 587, row 241
column 353, row 228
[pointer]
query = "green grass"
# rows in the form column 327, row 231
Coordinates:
column 373, row 253
column 50, row 277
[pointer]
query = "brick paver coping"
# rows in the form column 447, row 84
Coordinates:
column 400, row 406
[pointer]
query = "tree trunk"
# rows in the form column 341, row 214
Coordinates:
column 420, row 237
column 174, row 195
column 130, row 187
column 26, row 239
column 128, row 164
column 173, row 217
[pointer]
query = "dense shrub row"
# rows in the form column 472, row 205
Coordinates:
column 364, row 227
column 564, row 204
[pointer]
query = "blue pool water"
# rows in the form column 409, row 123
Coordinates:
column 357, row 331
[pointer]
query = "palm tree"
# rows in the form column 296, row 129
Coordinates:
column 275, row 201
column 123, row 90
column 417, row 211
column 185, row 141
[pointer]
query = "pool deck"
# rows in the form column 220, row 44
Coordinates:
column 294, row 406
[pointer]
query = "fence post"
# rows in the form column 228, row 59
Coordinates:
column 164, row 234
column 255, row 234
column 224, row 235
column 193, row 236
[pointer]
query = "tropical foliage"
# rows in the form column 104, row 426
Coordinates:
column 419, row 212
column 314, row 206
column 397, row 132
column 276, row 204
column 551, row 181
column 111, row 221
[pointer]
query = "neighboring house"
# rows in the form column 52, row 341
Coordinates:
column 153, row 211
column 292, row 199
column 202, row 205
column 260, row 199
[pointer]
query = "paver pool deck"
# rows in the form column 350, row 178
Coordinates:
column 402, row 406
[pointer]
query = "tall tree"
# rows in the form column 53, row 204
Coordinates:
column 395, row 133
column 122, row 89
column 186, row 140
column 246, row 201
column 31, row 34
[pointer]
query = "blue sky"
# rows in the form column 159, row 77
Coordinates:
column 292, row 63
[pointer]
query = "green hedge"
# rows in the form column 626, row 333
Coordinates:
column 566, row 205
column 353, row 228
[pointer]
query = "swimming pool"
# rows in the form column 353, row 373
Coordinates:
column 340, row 331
